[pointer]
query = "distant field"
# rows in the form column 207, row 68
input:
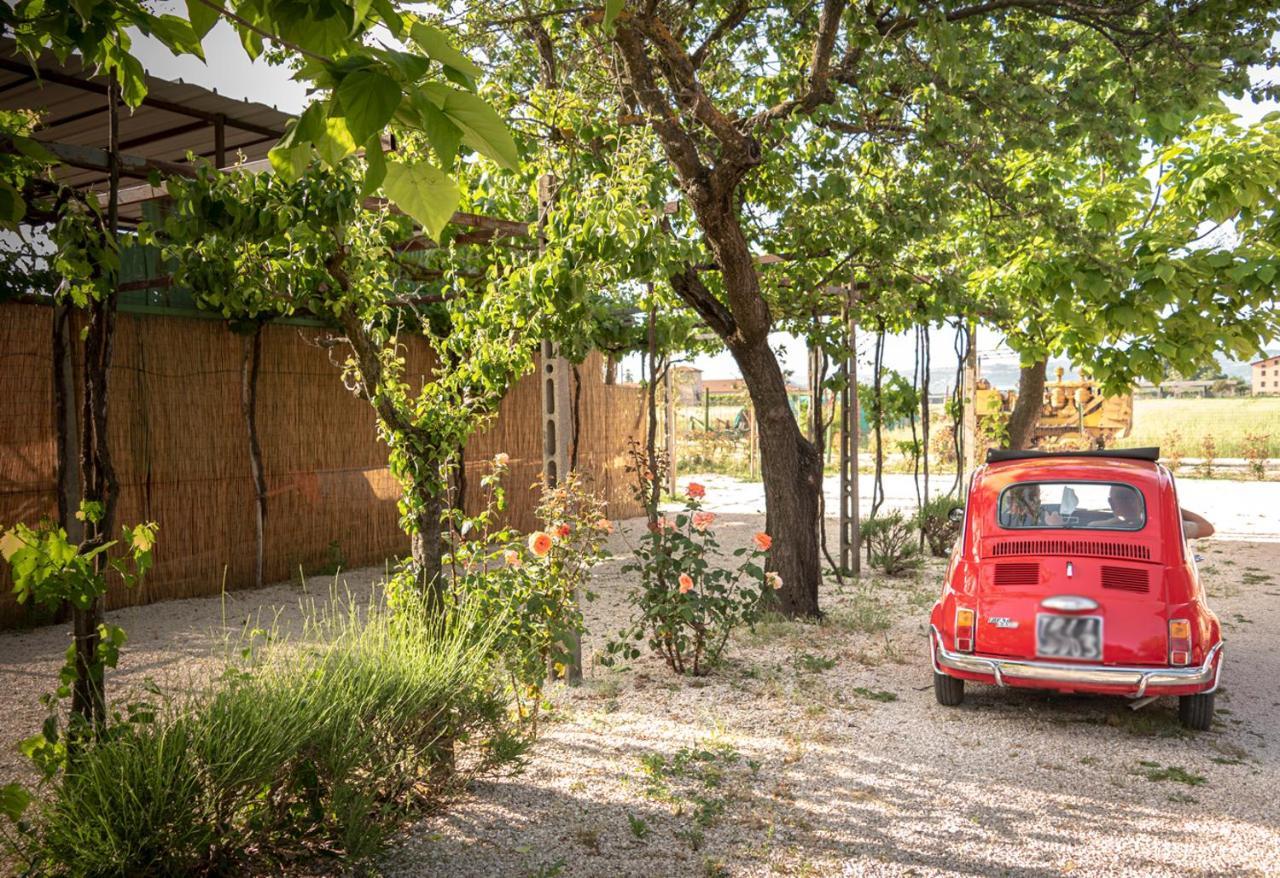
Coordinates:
column 1180, row 425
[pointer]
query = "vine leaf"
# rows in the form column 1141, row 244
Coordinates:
column 611, row 10
column 203, row 17
column 424, row 192
column 13, row 801
column 482, row 129
column 435, row 43
column 368, row 99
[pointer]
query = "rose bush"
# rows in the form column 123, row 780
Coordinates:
column 688, row 603
column 533, row 583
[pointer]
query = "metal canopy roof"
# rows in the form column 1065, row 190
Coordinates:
column 174, row 119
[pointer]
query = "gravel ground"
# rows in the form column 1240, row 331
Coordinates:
column 817, row 749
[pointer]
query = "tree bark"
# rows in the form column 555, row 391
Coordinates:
column 1026, row 409
column 790, row 464
column 251, row 361
column 97, row 476
column 426, row 548
column 68, row 431
column 791, row 468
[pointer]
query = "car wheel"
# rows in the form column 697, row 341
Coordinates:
column 948, row 690
column 1196, row 711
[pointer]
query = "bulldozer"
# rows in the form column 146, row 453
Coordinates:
column 1074, row 414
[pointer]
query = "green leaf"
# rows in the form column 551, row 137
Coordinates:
column 361, row 11
column 436, row 44
column 289, row 162
column 202, row 17
column 444, row 136
column 482, row 129
column 424, row 192
column 177, row 34
column 14, row 799
column 12, row 207
column 376, row 166
column 336, row 142
column 611, row 10
column 369, row 99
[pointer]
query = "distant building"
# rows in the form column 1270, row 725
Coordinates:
column 1266, row 376
column 688, row 381
column 738, row 387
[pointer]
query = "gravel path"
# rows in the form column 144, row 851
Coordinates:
column 818, row 749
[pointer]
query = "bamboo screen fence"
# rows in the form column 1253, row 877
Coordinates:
column 180, row 450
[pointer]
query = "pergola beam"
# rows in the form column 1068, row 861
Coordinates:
column 91, row 158
column 88, row 85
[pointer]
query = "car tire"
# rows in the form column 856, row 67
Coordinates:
column 948, row 690
column 1196, row 711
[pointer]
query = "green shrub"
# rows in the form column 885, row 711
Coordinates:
column 687, row 603
column 934, row 520
column 1255, row 453
column 320, row 747
column 891, row 543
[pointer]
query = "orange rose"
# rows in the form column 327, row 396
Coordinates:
column 763, row 541
column 686, row 583
column 773, row 580
column 702, row 519
column 696, row 491
column 605, row 525
column 540, row 543
column 562, row 531
column 511, row 557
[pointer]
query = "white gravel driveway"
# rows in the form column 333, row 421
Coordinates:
column 818, row 749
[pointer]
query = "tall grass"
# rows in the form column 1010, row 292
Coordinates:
column 319, row 746
column 1180, row 426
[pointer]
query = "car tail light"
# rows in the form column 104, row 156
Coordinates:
column 1179, row 642
column 964, row 630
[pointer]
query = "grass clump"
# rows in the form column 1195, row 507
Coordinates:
column 316, row 748
column 1153, row 771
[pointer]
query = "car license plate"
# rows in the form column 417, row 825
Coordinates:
column 1073, row 637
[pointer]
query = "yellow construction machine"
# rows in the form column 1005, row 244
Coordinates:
column 1074, row 414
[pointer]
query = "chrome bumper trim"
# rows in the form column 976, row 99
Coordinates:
column 1141, row 679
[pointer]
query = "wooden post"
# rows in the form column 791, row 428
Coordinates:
column 751, row 437
column 219, row 141
column 969, row 420
column 850, row 529
column 669, row 387
column 557, row 419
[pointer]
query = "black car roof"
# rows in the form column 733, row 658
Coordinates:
column 996, row 455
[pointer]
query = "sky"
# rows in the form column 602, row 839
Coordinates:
column 231, row 73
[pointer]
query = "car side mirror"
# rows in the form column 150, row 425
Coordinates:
column 956, row 515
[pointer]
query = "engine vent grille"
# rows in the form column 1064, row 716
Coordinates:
column 1094, row 548
column 1125, row 578
column 1013, row 575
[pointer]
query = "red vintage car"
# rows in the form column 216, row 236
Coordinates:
column 1073, row 573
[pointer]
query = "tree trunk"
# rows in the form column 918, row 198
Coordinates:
column 1026, row 409
column 68, row 430
column 610, row 369
column 791, row 468
column 426, row 547
column 98, row 486
column 251, row 361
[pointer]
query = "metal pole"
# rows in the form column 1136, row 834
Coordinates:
column 557, row 419
column 850, row 529
column 669, row 388
column 970, row 415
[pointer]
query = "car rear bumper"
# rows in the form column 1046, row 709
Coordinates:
column 1134, row 681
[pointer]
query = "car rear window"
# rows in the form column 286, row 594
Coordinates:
column 1085, row 505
